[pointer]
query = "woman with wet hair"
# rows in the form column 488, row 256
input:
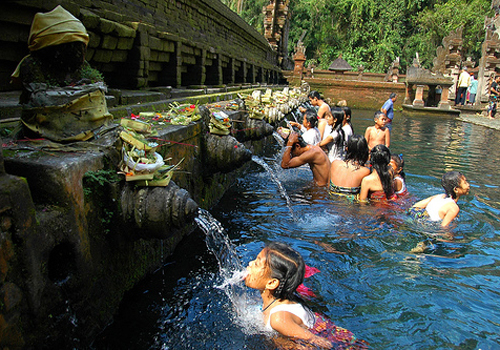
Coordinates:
column 346, row 175
column 443, row 207
column 333, row 137
column 346, row 124
column 379, row 185
column 276, row 272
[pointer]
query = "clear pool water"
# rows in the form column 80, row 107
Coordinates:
column 370, row 281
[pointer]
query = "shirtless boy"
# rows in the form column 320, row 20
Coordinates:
column 323, row 111
column 378, row 134
column 298, row 153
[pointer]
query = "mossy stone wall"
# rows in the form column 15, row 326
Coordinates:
column 140, row 43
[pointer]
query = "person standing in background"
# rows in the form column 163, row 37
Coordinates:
column 388, row 110
column 463, row 84
column 472, row 90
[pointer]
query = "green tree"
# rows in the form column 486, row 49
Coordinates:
column 432, row 25
column 373, row 33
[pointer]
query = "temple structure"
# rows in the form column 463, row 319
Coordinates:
column 489, row 64
column 449, row 58
column 276, row 27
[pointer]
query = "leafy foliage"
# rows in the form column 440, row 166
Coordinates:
column 373, row 33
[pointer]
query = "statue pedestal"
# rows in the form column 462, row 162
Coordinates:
column 444, row 103
column 419, row 96
column 299, row 59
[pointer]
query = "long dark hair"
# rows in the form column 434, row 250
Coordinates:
column 288, row 267
column 338, row 114
column 348, row 115
column 449, row 181
column 380, row 157
column 400, row 163
column 357, row 150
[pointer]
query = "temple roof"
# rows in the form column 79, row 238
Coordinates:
column 340, row 65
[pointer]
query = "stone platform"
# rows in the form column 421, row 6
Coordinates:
column 75, row 235
column 122, row 102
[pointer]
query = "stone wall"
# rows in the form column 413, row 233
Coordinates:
column 369, row 93
column 141, row 43
column 74, row 237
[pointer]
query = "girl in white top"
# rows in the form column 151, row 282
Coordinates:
column 310, row 132
column 333, row 138
column 397, row 163
column 444, row 206
column 347, row 125
column 277, row 272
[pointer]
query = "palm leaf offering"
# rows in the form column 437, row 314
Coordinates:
column 140, row 161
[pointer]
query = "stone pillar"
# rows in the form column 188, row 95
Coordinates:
column 233, row 73
column 299, row 59
column 488, row 65
column 419, row 96
column 407, row 95
column 220, row 74
column 244, row 67
column 2, row 167
column 178, row 67
column 203, row 73
column 444, row 103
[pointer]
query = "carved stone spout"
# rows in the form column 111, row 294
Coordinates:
column 225, row 153
column 255, row 130
column 156, row 212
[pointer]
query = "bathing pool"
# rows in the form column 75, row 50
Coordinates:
column 370, row 281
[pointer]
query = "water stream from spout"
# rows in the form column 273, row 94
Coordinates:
column 278, row 138
column 232, row 272
column 274, row 177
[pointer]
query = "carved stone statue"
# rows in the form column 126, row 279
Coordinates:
column 393, row 71
column 57, row 82
column 449, row 57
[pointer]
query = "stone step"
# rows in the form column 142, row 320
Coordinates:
column 183, row 97
column 10, row 109
column 123, row 102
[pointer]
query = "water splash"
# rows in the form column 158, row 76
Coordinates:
column 274, row 177
column 247, row 313
column 237, row 277
column 278, row 138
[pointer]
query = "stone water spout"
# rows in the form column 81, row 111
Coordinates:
column 257, row 129
column 225, row 153
column 157, row 212
column 222, row 153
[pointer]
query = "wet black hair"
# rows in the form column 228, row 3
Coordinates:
column 338, row 114
column 301, row 142
column 400, row 163
column 392, row 95
column 449, row 181
column 288, row 267
column 348, row 116
column 347, row 111
column 357, row 149
column 314, row 94
column 380, row 157
column 312, row 117
column 377, row 115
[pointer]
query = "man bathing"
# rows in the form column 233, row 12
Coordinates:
column 298, row 152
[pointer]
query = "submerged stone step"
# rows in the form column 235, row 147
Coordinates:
column 10, row 109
